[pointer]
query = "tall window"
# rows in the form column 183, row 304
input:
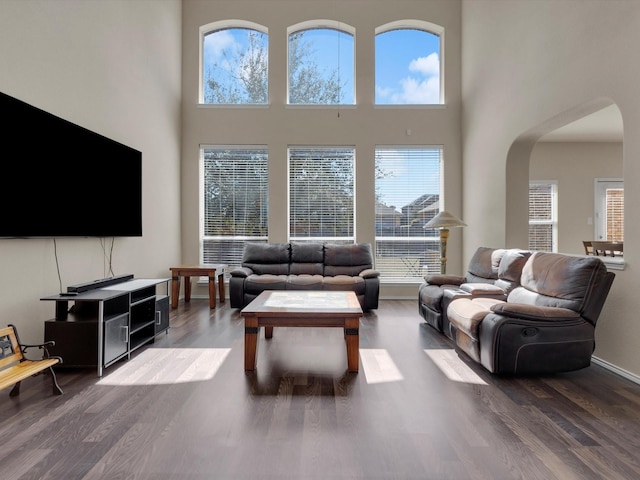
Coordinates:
column 609, row 210
column 408, row 61
column 233, row 209
column 543, row 224
column 407, row 196
column 321, row 194
column 235, row 64
column 321, row 64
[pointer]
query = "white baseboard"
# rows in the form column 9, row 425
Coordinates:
column 617, row 370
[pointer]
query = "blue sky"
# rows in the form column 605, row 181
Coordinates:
column 407, row 61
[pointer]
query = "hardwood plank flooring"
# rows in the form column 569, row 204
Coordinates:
column 183, row 408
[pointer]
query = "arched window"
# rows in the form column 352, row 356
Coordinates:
column 408, row 64
column 234, row 63
column 321, row 63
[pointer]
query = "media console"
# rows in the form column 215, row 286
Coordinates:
column 108, row 322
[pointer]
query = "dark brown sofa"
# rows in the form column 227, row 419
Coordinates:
column 546, row 324
column 305, row 266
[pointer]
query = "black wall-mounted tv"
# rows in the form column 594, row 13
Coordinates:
column 63, row 180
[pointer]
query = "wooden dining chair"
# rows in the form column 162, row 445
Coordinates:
column 608, row 249
column 588, row 248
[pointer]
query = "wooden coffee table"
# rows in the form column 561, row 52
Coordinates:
column 302, row 309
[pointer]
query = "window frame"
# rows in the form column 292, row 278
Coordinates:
column 322, row 24
column 237, row 253
column 421, row 25
column 403, row 269
column 290, row 206
column 553, row 221
column 213, row 27
column 601, row 185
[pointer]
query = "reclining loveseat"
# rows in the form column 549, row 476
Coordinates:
column 491, row 273
column 305, row 266
column 546, row 324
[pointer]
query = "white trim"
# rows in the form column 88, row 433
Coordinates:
column 213, row 27
column 599, row 204
column 617, row 370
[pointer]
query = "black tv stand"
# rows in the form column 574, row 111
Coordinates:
column 107, row 323
column 103, row 282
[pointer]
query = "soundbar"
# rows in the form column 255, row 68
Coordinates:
column 103, row 282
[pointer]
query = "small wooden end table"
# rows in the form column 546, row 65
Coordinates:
column 295, row 308
column 204, row 270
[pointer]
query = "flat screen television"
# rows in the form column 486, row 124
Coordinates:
column 62, row 180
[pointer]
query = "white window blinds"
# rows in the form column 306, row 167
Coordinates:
column 407, row 188
column 234, row 201
column 615, row 214
column 542, row 216
column 321, row 193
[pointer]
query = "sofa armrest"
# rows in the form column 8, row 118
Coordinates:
column 482, row 289
column 535, row 312
column 369, row 273
column 444, row 279
column 241, row 272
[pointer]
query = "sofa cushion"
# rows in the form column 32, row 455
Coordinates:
column 304, row 282
column 466, row 313
column 267, row 258
column 482, row 289
column 307, row 258
column 345, row 282
column 256, row 284
column 510, row 269
column 347, row 259
column 557, row 280
column 484, row 264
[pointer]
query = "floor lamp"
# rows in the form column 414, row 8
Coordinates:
column 444, row 220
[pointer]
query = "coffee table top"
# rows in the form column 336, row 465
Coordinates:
column 292, row 301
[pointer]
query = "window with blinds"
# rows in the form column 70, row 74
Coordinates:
column 234, row 201
column 407, row 189
column 321, row 194
column 542, row 216
column 615, row 214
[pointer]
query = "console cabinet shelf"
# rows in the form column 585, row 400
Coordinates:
column 104, row 325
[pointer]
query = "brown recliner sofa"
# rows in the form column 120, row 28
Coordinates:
column 546, row 324
column 305, row 266
column 491, row 273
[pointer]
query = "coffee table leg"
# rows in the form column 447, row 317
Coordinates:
column 250, row 342
column 175, row 290
column 352, row 337
column 212, row 290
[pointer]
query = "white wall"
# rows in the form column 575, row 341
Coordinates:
column 114, row 68
column 530, row 67
column 574, row 166
column 364, row 126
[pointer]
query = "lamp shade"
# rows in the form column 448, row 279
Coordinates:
column 444, row 219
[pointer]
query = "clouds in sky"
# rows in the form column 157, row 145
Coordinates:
column 420, row 86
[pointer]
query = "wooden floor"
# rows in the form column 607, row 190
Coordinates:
column 183, row 408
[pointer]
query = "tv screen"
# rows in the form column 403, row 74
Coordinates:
column 63, row 180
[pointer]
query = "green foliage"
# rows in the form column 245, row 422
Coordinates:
column 307, row 83
column 245, row 74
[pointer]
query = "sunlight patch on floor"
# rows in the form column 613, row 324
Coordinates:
column 156, row 366
column 453, row 367
column 378, row 366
